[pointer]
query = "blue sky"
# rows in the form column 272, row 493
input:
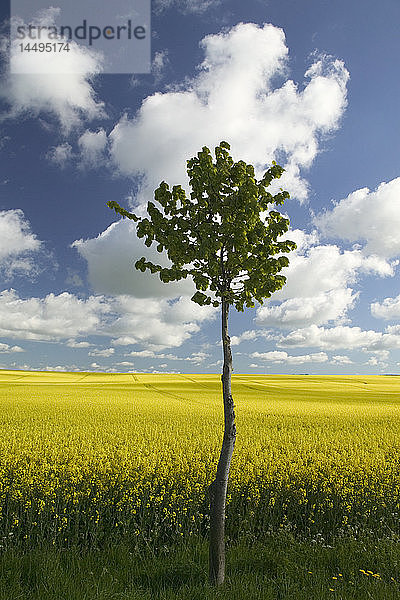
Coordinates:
column 312, row 84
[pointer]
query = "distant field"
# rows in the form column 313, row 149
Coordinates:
column 86, row 458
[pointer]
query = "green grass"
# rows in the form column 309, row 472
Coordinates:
column 278, row 569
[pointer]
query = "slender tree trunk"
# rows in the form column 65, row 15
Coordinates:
column 219, row 485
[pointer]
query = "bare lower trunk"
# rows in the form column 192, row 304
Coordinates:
column 219, row 485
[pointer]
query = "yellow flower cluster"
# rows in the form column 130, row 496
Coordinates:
column 87, row 456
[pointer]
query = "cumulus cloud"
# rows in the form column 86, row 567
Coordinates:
column 317, row 289
column 73, row 279
column 156, row 323
column 6, row 349
column 381, row 354
column 371, row 217
column 74, row 344
column 243, row 337
column 142, row 353
column 92, row 145
column 125, row 363
column 322, row 268
column 18, row 245
column 394, row 329
column 341, row 359
column 376, row 361
column 50, row 318
column 15, row 234
column 60, row 155
column 388, row 309
column 340, row 337
column 111, row 258
column 64, row 91
column 234, row 97
column 197, row 357
column 276, row 356
column 60, row 368
column 105, row 353
column 251, row 335
column 300, row 312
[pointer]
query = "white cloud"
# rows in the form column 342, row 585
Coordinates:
column 388, row 309
column 381, row 354
column 325, row 268
column 124, row 340
column 105, row 353
column 369, row 217
column 243, row 337
column 50, row 318
column 18, row 244
column 65, row 91
column 183, row 309
column 74, row 344
column 340, row 337
column 372, row 361
column 125, row 363
column 197, row 357
column 233, row 97
column 156, row 323
column 155, row 371
column 111, row 258
column 300, row 312
column 317, row 288
column 276, row 356
column 73, row 279
column 394, row 329
column 15, row 234
column 58, row 369
column 375, row 361
column 303, row 240
column 60, row 155
column 6, row 349
column 92, row 145
column 329, row 339
column 143, row 353
column 341, row 360
column 383, row 342
column 158, row 68
column 185, row 6
column 217, row 363
column 61, row 368
column 160, row 61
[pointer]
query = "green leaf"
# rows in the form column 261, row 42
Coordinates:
column 219, row 233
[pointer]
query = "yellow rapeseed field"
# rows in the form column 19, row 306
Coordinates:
column 86, row 458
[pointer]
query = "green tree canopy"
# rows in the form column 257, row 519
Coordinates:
column 223, row 235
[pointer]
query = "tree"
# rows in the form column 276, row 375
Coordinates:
column 225, row 237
